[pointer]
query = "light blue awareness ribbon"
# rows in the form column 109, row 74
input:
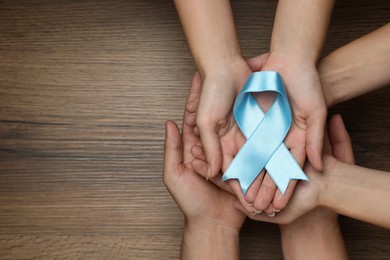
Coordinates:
column 265, row 134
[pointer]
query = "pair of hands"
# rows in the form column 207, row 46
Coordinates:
column 206, row 205
column 221, row 138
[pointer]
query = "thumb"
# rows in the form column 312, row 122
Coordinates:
column 173, row 150
column 341, row 142
column 315, row 135
column 212, row 149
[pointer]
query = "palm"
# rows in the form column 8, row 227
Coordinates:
column 307, row 194
column 205, row 200
column 308, row 105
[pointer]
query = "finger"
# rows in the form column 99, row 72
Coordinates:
column 201, row 167
column 327, row 144
column 226, row 161
column 299, row 155
column 235, row 185
column 270, row 211
column 315, row 135
column 192, row 101
column 296, row 147
column 189, row 120
column 173, row 150
column 257, row 63
column 198, row 153
column 259, row 217
column 280, row 200
column 341, row 142
column 253, row 190
column 231, row 144
column 222, row 184
column 212, row 149
column 194, row 93
column 190, row 138
column 196, row 131
column 266, row 194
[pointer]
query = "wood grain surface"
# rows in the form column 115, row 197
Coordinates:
column 85, row 89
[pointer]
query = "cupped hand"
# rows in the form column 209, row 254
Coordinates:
column 229, row 137
column 308, row 106
column 201, row 202
column 214, row 118
column 309, row 195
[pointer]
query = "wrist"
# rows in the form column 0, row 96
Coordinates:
column 211, row 229
column 328, row 82
column 313, row 222
column 312, row 235
column 230, row 74
column 339, row 81
column 293, row 56
column 209, row 241
column 223, row 66
column 330, row 176
column 283, row 62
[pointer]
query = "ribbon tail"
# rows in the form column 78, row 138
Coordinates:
column 282, row 168
column 245, row 183
column 245, row 167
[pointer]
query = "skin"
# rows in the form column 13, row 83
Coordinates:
column 310, row 216
column 296, row 44
column 320, row 225
column 348, row 72
column 329, row 188
column 342, row 187
column 212, row 223
column 210, row 31
column 341, row 80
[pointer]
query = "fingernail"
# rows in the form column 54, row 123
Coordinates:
column 272, row 215
column 250, row 204
column 277, row 210
column 208, row 174
column 257, row 211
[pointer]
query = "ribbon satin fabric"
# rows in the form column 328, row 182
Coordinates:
column 265, row 134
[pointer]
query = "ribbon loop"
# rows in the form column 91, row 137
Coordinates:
column 265, row 133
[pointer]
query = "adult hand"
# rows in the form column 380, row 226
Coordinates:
column 308, row 195
column 203, row 204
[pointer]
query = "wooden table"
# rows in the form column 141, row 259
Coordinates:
column 85, row 89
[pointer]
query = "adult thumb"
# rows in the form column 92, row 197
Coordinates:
column 173, row 150
column 315, row 138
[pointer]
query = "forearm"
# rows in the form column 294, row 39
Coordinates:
column 300, row 28
column 313, row 236
column 356, row 68
column 209, row 243
column 210, row 31
column 357, row 192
